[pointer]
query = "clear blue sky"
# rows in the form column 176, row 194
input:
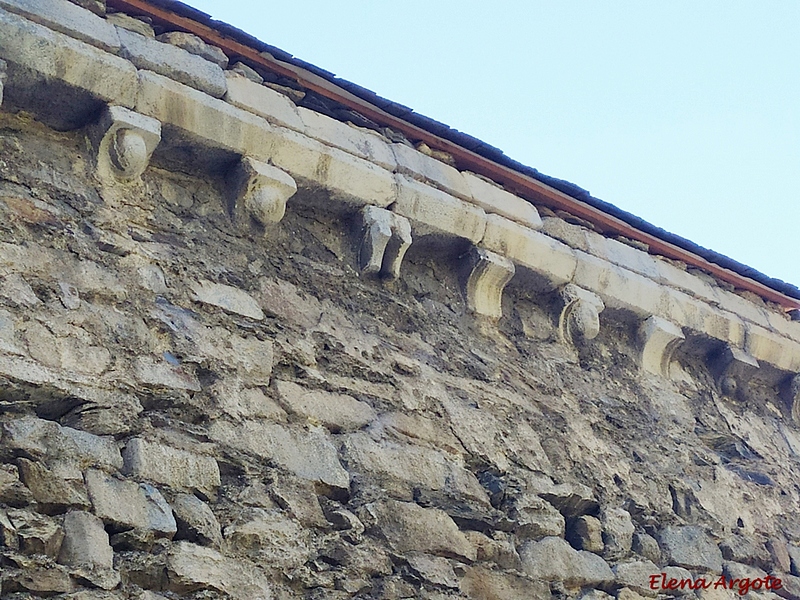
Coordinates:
column 685, row 113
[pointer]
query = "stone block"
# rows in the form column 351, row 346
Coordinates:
column 228, row 298
column 691, row 548
column 38, row 56
column 68, row 18
column 123, row 142
column 129, row 505
column 551, row 260
column 385, row 239
column 336, row 412
column 422, row 167
column 353, row 140
column 178, row 469
column 733, row 368
column 495, row 200
column 486, row 276
column 483, row 583
column 262, row 101
column 269, row 537
column 196, row 118
column 586, row 533
column 195, row 45
column 773, row 349
column 530, row 517
column 12, row 491
column 659, row 339
column 93, row 450
column 572, row 235
column 34, row 533
column 402, row 468
column 308, row 454
column 347, row 178
column 161, row 374
column 173, row 62
column 621, row 254
column 407, row 527
column 433, row 569
column 53, row 494
column 85, row 542
column 196, row 521
column 579, row 318
column 702, row 318
column 3, row 77
column 260, row 191
column 553, row 559
column 435, row 212
column 636, row 576
column 617, row 532
column 191, row 568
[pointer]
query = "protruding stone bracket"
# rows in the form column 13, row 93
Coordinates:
column 260, row 191
column 124, row 141
column 660, row 339
column 733, row 368
column 580, row 314
column 790, row 394
column 2, row 79
column 486, row 275
column 385, row 239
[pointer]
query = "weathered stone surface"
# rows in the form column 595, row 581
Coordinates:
column 177, row 468
column 636, row 576
column 552, row 261
column 12, row 490
column 34, row 533
column 228, row 298
column 690, row 547
column 137, row 25
column 355, row 141
column 196, row 521
column 192, row 43
column 172, row 62
column 37, row 578
column 124, row 141
column 495, row 200
column 270, row 537
column 572, row 500
column 399, row 468
column 417, row 165
column 66, row 17
column 260, row 191
column 53, row 494
column 386, row 237
column 483, row 583
column 162, row 374
column 91, row 450
column 646, row 546
column 86, row 547
column 191, row 568
column 432, row 211
column 586, row 533
column 408, row 527
column 660, row 339
column 201, row 119
column 433, row 569
column 497, row 549
column 489, row 273
column 533, row 518
column 54, row 56
column 552, row 559
column 310, row 455
column 336, row 412
column 127, row 504
column 617, row 532
column 794, row 557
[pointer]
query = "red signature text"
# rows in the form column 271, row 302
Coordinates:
column 741, row 586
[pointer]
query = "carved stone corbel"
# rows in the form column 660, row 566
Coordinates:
column 733, row 368
column 385, row 239
column 260, row 191
column 486, row 275
column 659, row 338
column 580, row 314
column 790, row 394
column 2, row 79
column 124, row 141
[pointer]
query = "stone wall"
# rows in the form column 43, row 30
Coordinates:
column 251, row 351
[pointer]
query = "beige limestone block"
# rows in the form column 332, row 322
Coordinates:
column 54, row 55
column 177, row 468
column 773, row 349
column 349, row 179
column 68, row 18
column 262, row 101
column 495, row 200
column 438, row 212
column 228, row 298
column 422, row 167
column 353, row 140
column 336, row 412
column 528, row 248
column 204, row 120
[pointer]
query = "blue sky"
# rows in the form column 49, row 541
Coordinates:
column 684, row 113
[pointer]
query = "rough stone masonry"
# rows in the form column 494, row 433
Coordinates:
column 250, row 351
